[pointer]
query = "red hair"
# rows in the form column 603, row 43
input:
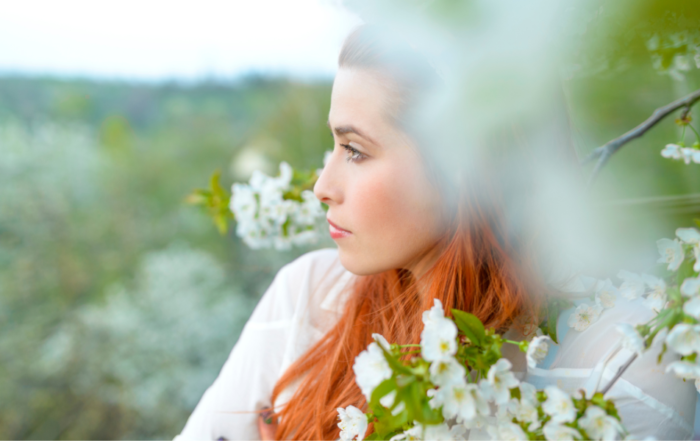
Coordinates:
column 477, row 271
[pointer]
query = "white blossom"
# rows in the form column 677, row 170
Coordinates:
column 691, row 287
column 687, row 154
column 537, row 350
column 478, row 422
column 527, row 413
column 584, row 315
column 447, row 371
column 499, row 381
column 371, row 368
column 631, row 340
column 434, row 314
column 632, row 286
column 692, row 307
column 684, row 338
column 438, row 339
column 353, row 423
column 697, row 384
column 599, row 425
column 266, row 219
column 507, row 431
column 559, row 405
column 605, row 294
column 671, row 253
column 555, row 431
column 656, row 299
column 689, row 235
column 672, row 151
column 528, row 393
column 684, row 369
column 463, row 401
column 436, row 432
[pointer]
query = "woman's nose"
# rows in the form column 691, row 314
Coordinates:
column 327, row 188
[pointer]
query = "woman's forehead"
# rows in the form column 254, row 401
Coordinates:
column 360, row 103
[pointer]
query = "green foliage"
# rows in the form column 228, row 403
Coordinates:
column 470, row 325
column 215, row 200
column 89, row 199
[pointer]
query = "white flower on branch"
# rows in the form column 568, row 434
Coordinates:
column 528, row 393
column 691, row 236
column 463, row 401
column 684, row 338
column 584, row 316
column 692, row 308
column 434, row 315
column 632, row 286
column 507, row 431
column 671, row 253
column 526, row 412
column 371, row 368
column 447, row 371
column 599, row 425
column 537, row 350
column 688, row 235
column 684, row 369
column 438, row 432
column 672, row 151
column 687, row 155
column 605, row 293
column 439, row 336
column 499, row 381
column 555, row 431
column 559, row 405
column 656, row 299
column 631, row 340
column 690, row 287
column 353, row 423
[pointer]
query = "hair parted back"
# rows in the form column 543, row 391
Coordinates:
column 478, row 271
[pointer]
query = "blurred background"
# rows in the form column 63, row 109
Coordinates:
column 118, row 302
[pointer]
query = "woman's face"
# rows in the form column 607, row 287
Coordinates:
column 384, row 213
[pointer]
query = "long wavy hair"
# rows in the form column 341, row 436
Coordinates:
column 478, row 270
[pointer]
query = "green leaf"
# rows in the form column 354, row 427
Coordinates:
column 384, row 388
column 697, row 222
column 470, row 325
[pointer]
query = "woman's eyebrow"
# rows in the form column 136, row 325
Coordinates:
column 342, row 130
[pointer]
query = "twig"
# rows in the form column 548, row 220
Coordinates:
column 619, row 373
column 604, row 152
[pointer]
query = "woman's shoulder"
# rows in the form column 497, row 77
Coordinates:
column 312, row 282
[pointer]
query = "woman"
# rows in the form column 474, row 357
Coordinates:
column 405, row 235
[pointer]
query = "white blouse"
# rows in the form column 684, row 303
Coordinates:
column 306, row 299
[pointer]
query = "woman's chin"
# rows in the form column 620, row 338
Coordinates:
column 359, row 264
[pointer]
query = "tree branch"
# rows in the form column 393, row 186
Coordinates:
column 619, row 373
column 604, row 152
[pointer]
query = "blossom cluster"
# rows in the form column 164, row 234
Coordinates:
column 679, row 152
column 679, row 313
column 459, row 375
column 269, row 214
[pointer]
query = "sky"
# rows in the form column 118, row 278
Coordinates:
column 172, row 39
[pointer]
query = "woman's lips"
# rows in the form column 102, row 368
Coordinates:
column 336, row 231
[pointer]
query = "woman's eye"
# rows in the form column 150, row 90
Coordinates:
column 354, row 155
